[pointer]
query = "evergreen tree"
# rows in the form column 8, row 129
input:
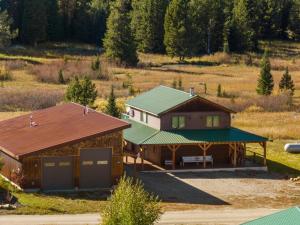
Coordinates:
column 177, row 27
column 81, row 91
column 219, row 90
column 208, row 22
column 111, row 108
column 180, row 85
column 294, row 20
column 286, row 83
column 61, row 78
column 147, row 24
column 54, row 29
column 6, row 35
column 118, row 42
column 265, row 82
column 34, row 21
column 243, row 28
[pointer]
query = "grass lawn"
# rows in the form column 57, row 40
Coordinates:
column 66, row 203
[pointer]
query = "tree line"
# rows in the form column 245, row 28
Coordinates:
column 177, row 27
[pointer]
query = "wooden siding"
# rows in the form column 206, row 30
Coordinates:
column 196, row 120
column 32, row 163
column 10, row 166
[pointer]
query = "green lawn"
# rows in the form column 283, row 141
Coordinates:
column 278, row 160
column 66, row 203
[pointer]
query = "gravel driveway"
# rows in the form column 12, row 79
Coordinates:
column 233, row 189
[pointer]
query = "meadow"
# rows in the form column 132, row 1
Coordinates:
column 33, row 84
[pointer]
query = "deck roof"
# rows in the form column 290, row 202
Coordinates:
column 141, row 134
column 162, row 99
column 289, row 216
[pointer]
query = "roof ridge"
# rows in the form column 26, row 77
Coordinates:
column 175, row 89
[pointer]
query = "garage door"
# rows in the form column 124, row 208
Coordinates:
column 95, row 168
column 57, row 173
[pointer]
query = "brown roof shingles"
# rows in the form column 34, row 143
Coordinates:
column 56, row 126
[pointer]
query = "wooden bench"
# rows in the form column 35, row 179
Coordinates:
column 168, row 162
column 197, row 159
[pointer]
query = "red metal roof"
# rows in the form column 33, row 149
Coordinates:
column 56, row 126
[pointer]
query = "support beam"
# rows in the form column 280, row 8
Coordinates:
column 265, row 153
column 173, row 149
column 235, row 155
column 142, row 151
column 204, row 148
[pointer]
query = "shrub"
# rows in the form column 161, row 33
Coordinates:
column 130, row 204
column 5, row 75
column 81, row 91
column 28, row 100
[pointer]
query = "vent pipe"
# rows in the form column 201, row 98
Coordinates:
column 192, row 92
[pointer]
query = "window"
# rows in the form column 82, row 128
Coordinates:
column 178, row 122
column 64, row 164
column 102, row 162
column 87, row 163
column 144, row 117
column 50, row 164
column 212, row 121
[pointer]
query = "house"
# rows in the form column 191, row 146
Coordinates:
column 289, row 216
column 176, row 128
column 63, row 147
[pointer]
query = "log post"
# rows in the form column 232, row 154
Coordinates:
column 204, row 148
column 142, row 150
column 134, row 160
column 173, row 149
column 265, row 153
column 235, row 155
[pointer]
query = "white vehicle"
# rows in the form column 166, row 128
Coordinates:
column 292, row 147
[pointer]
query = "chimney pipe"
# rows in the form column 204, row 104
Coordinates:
column 192, row 92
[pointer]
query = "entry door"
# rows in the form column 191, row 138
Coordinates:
column 57, row 173
column 95, row 168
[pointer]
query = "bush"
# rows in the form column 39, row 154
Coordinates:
column 28, row 100
column 131, row 205
column 5, row 75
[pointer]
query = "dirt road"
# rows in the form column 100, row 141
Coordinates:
column 191, row 217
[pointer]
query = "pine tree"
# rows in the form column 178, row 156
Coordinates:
column 81, row 91
column 180, row 85
column 265, row 82
column 219, row 90
column 244, row 30
column 174, row 84
column 118, row 42
column 177, row 27
column 6, row 35
column 61, row 78
column 34, row 26
column 286, row 83
column 54, row 29
column 111, row 108
column 294, row 20
column 147, row 24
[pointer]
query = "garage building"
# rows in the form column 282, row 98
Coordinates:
column 61, row 148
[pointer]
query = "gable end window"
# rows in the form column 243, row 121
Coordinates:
column 213, row 121
column 178, row 122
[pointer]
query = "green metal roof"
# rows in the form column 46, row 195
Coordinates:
column 142, row 134
column 159, row 99
column 289, row 216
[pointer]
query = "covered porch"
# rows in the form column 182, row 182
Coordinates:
column 179, row 149
column 203, row 156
